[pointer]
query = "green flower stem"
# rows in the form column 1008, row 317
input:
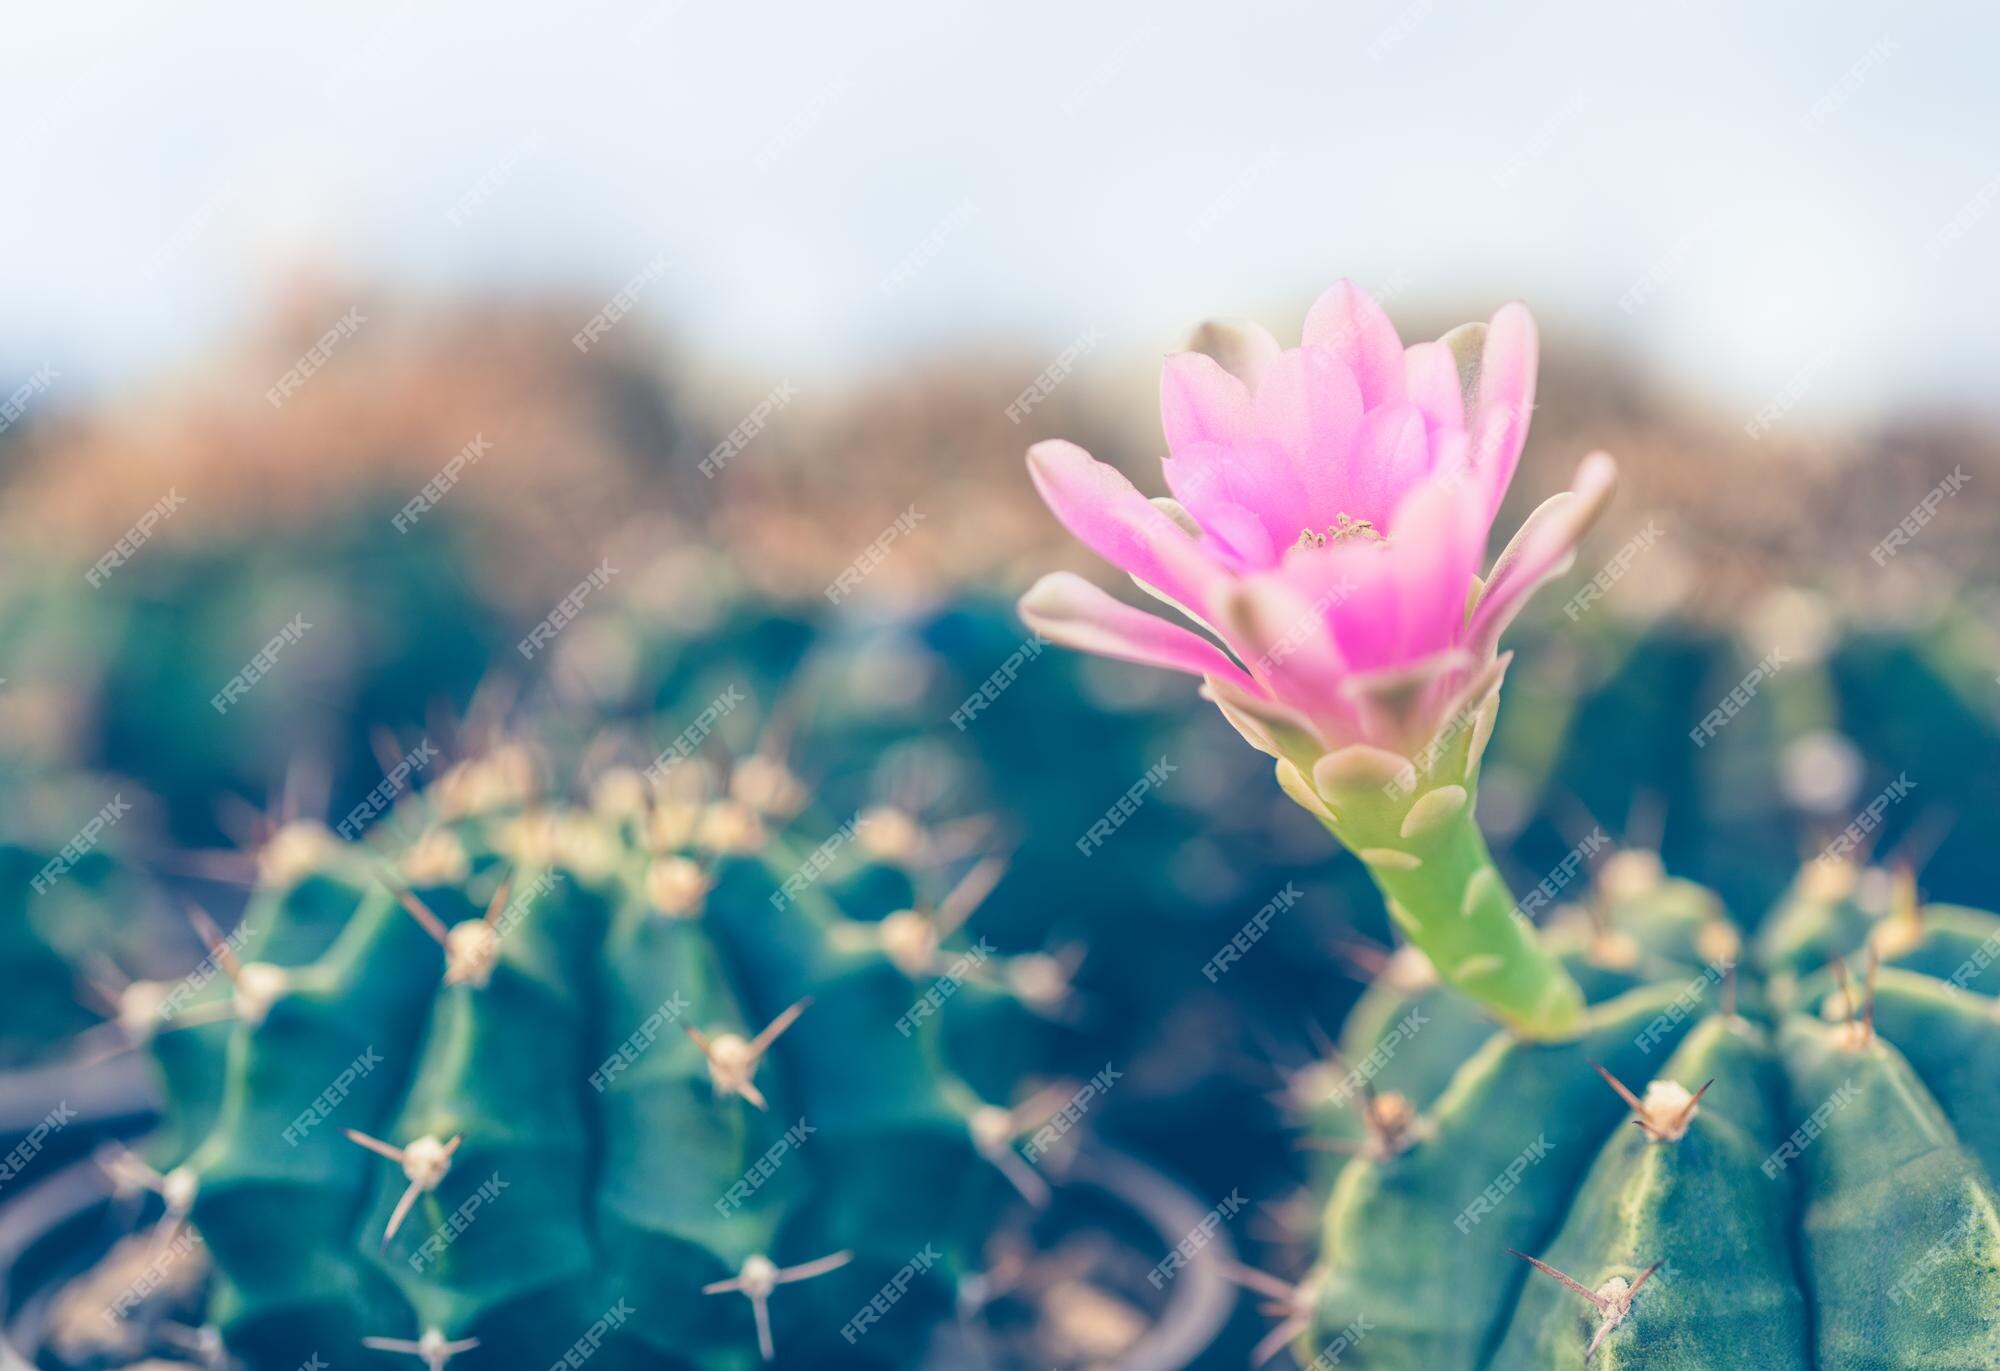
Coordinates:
column 1456, row 908
column 1419, row 839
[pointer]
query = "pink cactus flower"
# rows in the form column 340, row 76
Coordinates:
column 1331, row 508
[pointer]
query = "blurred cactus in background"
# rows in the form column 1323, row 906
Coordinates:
column 72, row 884
column 519, row 1060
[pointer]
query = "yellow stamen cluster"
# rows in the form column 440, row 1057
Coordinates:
column 1343, row 528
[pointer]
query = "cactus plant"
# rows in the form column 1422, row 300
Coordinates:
column 545, row 1073
column 1810, row 1181
column 1809, row 1184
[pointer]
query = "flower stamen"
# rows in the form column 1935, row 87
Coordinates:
column 1344, row 527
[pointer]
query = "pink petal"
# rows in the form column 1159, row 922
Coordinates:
column 1278, row 622
column 1390, row 457
column 1438, row 535
column 1251, row 474
column 1241, row 532
column 1506, row 399
column 1363, row 615
column 1544, row 548
column 1347, row 322
column 1200, row 402
column 1194, row 477
column 1070, row 610
column 1309, row 406
column 1112, row 519
column 1451, row 464
column 1432, row 373
column 1405, row 600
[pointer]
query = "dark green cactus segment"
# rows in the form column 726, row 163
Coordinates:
column 1605, row 973
column 585, row 1060
column 1481, row 1181
column 870, row 1077
column 1949, row 1038
column 191, row 1065
column 857, row 880
column 375, row 981
column 995, row 1034
column 314, row 888
column 276, row 1175
column 1695, row 1204
column 1403, row 1041
column 503, row 1240
column 304, row 921
column 656, row 1084
column 1672, row 922
column 1828, row 1205
column 1952, row 944
column 263, row 1333
column 1430, row 1031
column 687, row 1191
column 1828, row 912
column 799, row 946
column 1902, row 1235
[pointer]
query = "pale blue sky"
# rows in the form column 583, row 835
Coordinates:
column 1472, row 151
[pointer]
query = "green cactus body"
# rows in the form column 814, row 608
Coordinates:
column 59, row 906
column 305, row 894
column 1810, row 1184
column 514, row 1098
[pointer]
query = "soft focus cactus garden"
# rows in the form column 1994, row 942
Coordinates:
column 710, row 973
column 925, row 694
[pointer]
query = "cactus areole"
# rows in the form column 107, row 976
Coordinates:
column 1331, row 509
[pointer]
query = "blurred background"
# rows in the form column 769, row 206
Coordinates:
column 397, row 324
